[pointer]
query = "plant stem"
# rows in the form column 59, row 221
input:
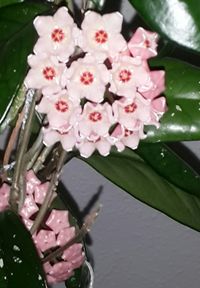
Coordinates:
column 22, row 147
column 34, row 151
column 52, row 188
column 86, row 227
column 11, row 142
column 41, row 159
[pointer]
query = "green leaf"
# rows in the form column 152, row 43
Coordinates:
column 14, row 109
column 19, row 260
column 182, row 120
column 130, row 172
column 176, row 20
column 170, row 166
column 96, row 4
column 9, row 2
column 17, row 38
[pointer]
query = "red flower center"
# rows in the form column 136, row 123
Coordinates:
column 125, row 75
column 87, row 78
column 61, row 106
column 128, row 133
column 95, row 116
column 130, row 108
column 49, row 73
column 101, row 37
column 57, row 35
column 147, row 43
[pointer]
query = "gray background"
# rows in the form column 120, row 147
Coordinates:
column 132, row 244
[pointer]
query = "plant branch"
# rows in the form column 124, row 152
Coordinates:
column 22, row 147
column 86, row 227
column 52, row 188
column 41, row 159
column 11, row 142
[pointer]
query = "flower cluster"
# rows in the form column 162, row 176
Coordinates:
column 97, row 89
column 56, row 232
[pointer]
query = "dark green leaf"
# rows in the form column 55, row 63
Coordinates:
column 177, row 20
column 170, row 166
column 17, row 38
column 14, row 109
column 182, row 120
column 96, row 4
column 134, row 175
column 9, row 2
column 20, row 261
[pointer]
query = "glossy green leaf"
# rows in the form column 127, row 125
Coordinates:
column 96, row 4
column 12, row 113
column 9, row 2
column 182, row 120
column 177, row 20
column 17, row 38
column 170, row 166
column 130, row 172
column 19, row 259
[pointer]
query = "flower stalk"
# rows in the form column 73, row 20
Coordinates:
column 17, row 190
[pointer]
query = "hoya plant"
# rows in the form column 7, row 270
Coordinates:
column 74, row 86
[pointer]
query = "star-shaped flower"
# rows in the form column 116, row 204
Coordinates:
column 101, row 35
column 129, row 75
column 58, row 35
column 143, row 44
column 61, row 112
column 86, row 79
column 58, row 220
column 45, row 71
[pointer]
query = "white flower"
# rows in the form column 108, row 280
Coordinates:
column 57, row 33
column 95, row 121
column 87, row 147
column 129, row 74
column 101, row 35
column 44, row 72
column 122, row 137
column 67, row 139
column 86, row 79
column 61, row 113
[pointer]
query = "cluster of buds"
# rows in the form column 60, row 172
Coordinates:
column 97, row 89
column 56, row 231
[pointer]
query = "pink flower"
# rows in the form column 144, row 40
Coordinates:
column 65, row 235
column 45, row 71
column 95, row 121
column 101, row 35
column 86, row 79
column 158, row 80
column 61, row 112
column 4, row 196
column 129, row 113
column 59, row 272
column 122, row 137
column 67, row 139
column 45, row 240
column 88, row 146
column 129, row 74
column 31, row 182
column 29, row 207
column 58, row 220
column 40, row 192
column 57, row 33
column 28, row 223
column 72, row 252
column 143, row 44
